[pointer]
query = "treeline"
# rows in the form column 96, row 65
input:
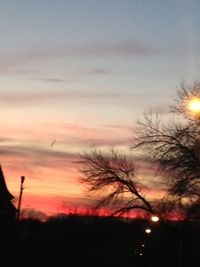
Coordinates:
column 98, row 241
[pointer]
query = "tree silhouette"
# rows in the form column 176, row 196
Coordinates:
column 113, row 176
column 175, row 145
column 172, row 145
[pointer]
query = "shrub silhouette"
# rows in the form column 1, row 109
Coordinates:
column 98, row 241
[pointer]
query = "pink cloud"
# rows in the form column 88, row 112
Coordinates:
column 65, row 134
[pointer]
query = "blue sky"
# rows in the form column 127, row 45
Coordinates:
column 80, row 72
column 140, row 45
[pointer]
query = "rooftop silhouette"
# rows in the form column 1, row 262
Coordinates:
column 7, row 208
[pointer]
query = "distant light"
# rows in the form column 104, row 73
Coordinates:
column 148, row 230
column 140, row 254
column 194, row 105
column 143, row 245
column 154, row 218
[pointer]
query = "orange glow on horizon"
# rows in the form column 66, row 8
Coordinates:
column 42, row 207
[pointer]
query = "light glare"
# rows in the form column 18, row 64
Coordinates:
column 194, row 105
column 148, row 230
column 155, row 218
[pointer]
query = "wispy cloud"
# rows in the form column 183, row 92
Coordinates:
column 11, row 63
column 33, row 151
column 129, row 48
column 52, row 80
column 34, row 160
column 32, row 98
column 15, row 99
column 97, row 71
column 68, row 141
column 161, row 110
column 79, row 134
column 119, row 127
column 63, row 133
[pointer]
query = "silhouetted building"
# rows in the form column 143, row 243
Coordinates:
column 7, row 209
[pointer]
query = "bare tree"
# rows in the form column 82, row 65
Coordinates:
column 113, row 176
column 175, row 146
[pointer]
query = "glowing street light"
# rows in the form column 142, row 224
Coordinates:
column 155, row 218
column 194, row 105
column 148, row 230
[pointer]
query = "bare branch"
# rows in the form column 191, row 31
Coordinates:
column 113, row 176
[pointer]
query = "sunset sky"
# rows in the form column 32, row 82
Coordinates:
column 79, row 73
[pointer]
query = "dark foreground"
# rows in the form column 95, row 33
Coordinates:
column 98, row 242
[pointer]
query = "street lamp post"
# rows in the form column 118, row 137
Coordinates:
column 20, row 197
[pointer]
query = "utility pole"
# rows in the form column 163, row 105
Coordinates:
column 20, row 197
